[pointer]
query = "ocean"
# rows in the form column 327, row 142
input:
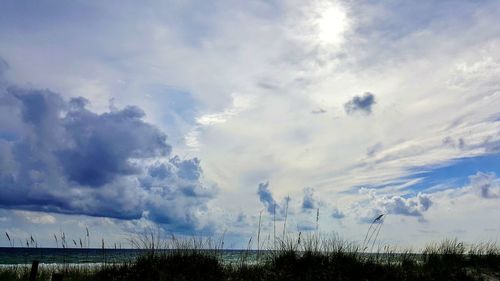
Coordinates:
column 76, row 256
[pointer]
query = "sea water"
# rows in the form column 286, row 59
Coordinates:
column 77, row 256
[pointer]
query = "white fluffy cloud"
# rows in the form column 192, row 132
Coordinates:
column 36, row 218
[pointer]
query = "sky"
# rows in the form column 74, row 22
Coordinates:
column 194, row 118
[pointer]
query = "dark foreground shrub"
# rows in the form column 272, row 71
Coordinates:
column 293, row 265
column 449, row 261
column 172, row 266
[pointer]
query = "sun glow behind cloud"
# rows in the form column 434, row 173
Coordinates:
column 331, row 23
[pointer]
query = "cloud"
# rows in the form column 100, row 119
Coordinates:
column 241, row 218
column 480, row 186
column 272, row 207
column 36, row 217
column 460, row 143
column 393, row 205
column 240, row 103
column 4, row 66
column 491, row 146
column 485, row 184
column 305, row 226
column 337, row 214
column 398, row 205
column 309, row 202
column 318, row 111
column 103, row 145
column 361, row 104
column 266, row 198
column 177, row 183
column 374, row 149
column 61, row 157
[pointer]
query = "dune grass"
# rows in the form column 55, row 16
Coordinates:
column 308, row 258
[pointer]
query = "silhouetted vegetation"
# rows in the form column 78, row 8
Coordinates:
column 309, row 258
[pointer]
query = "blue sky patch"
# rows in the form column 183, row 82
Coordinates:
column 455, row 173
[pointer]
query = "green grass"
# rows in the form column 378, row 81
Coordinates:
column 310, row 259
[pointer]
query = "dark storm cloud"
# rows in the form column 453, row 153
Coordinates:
column 183, row 174
column 102, row 145
column 361, row 104
column 58, row 156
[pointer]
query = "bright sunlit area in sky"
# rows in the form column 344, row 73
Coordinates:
column 332, row 23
